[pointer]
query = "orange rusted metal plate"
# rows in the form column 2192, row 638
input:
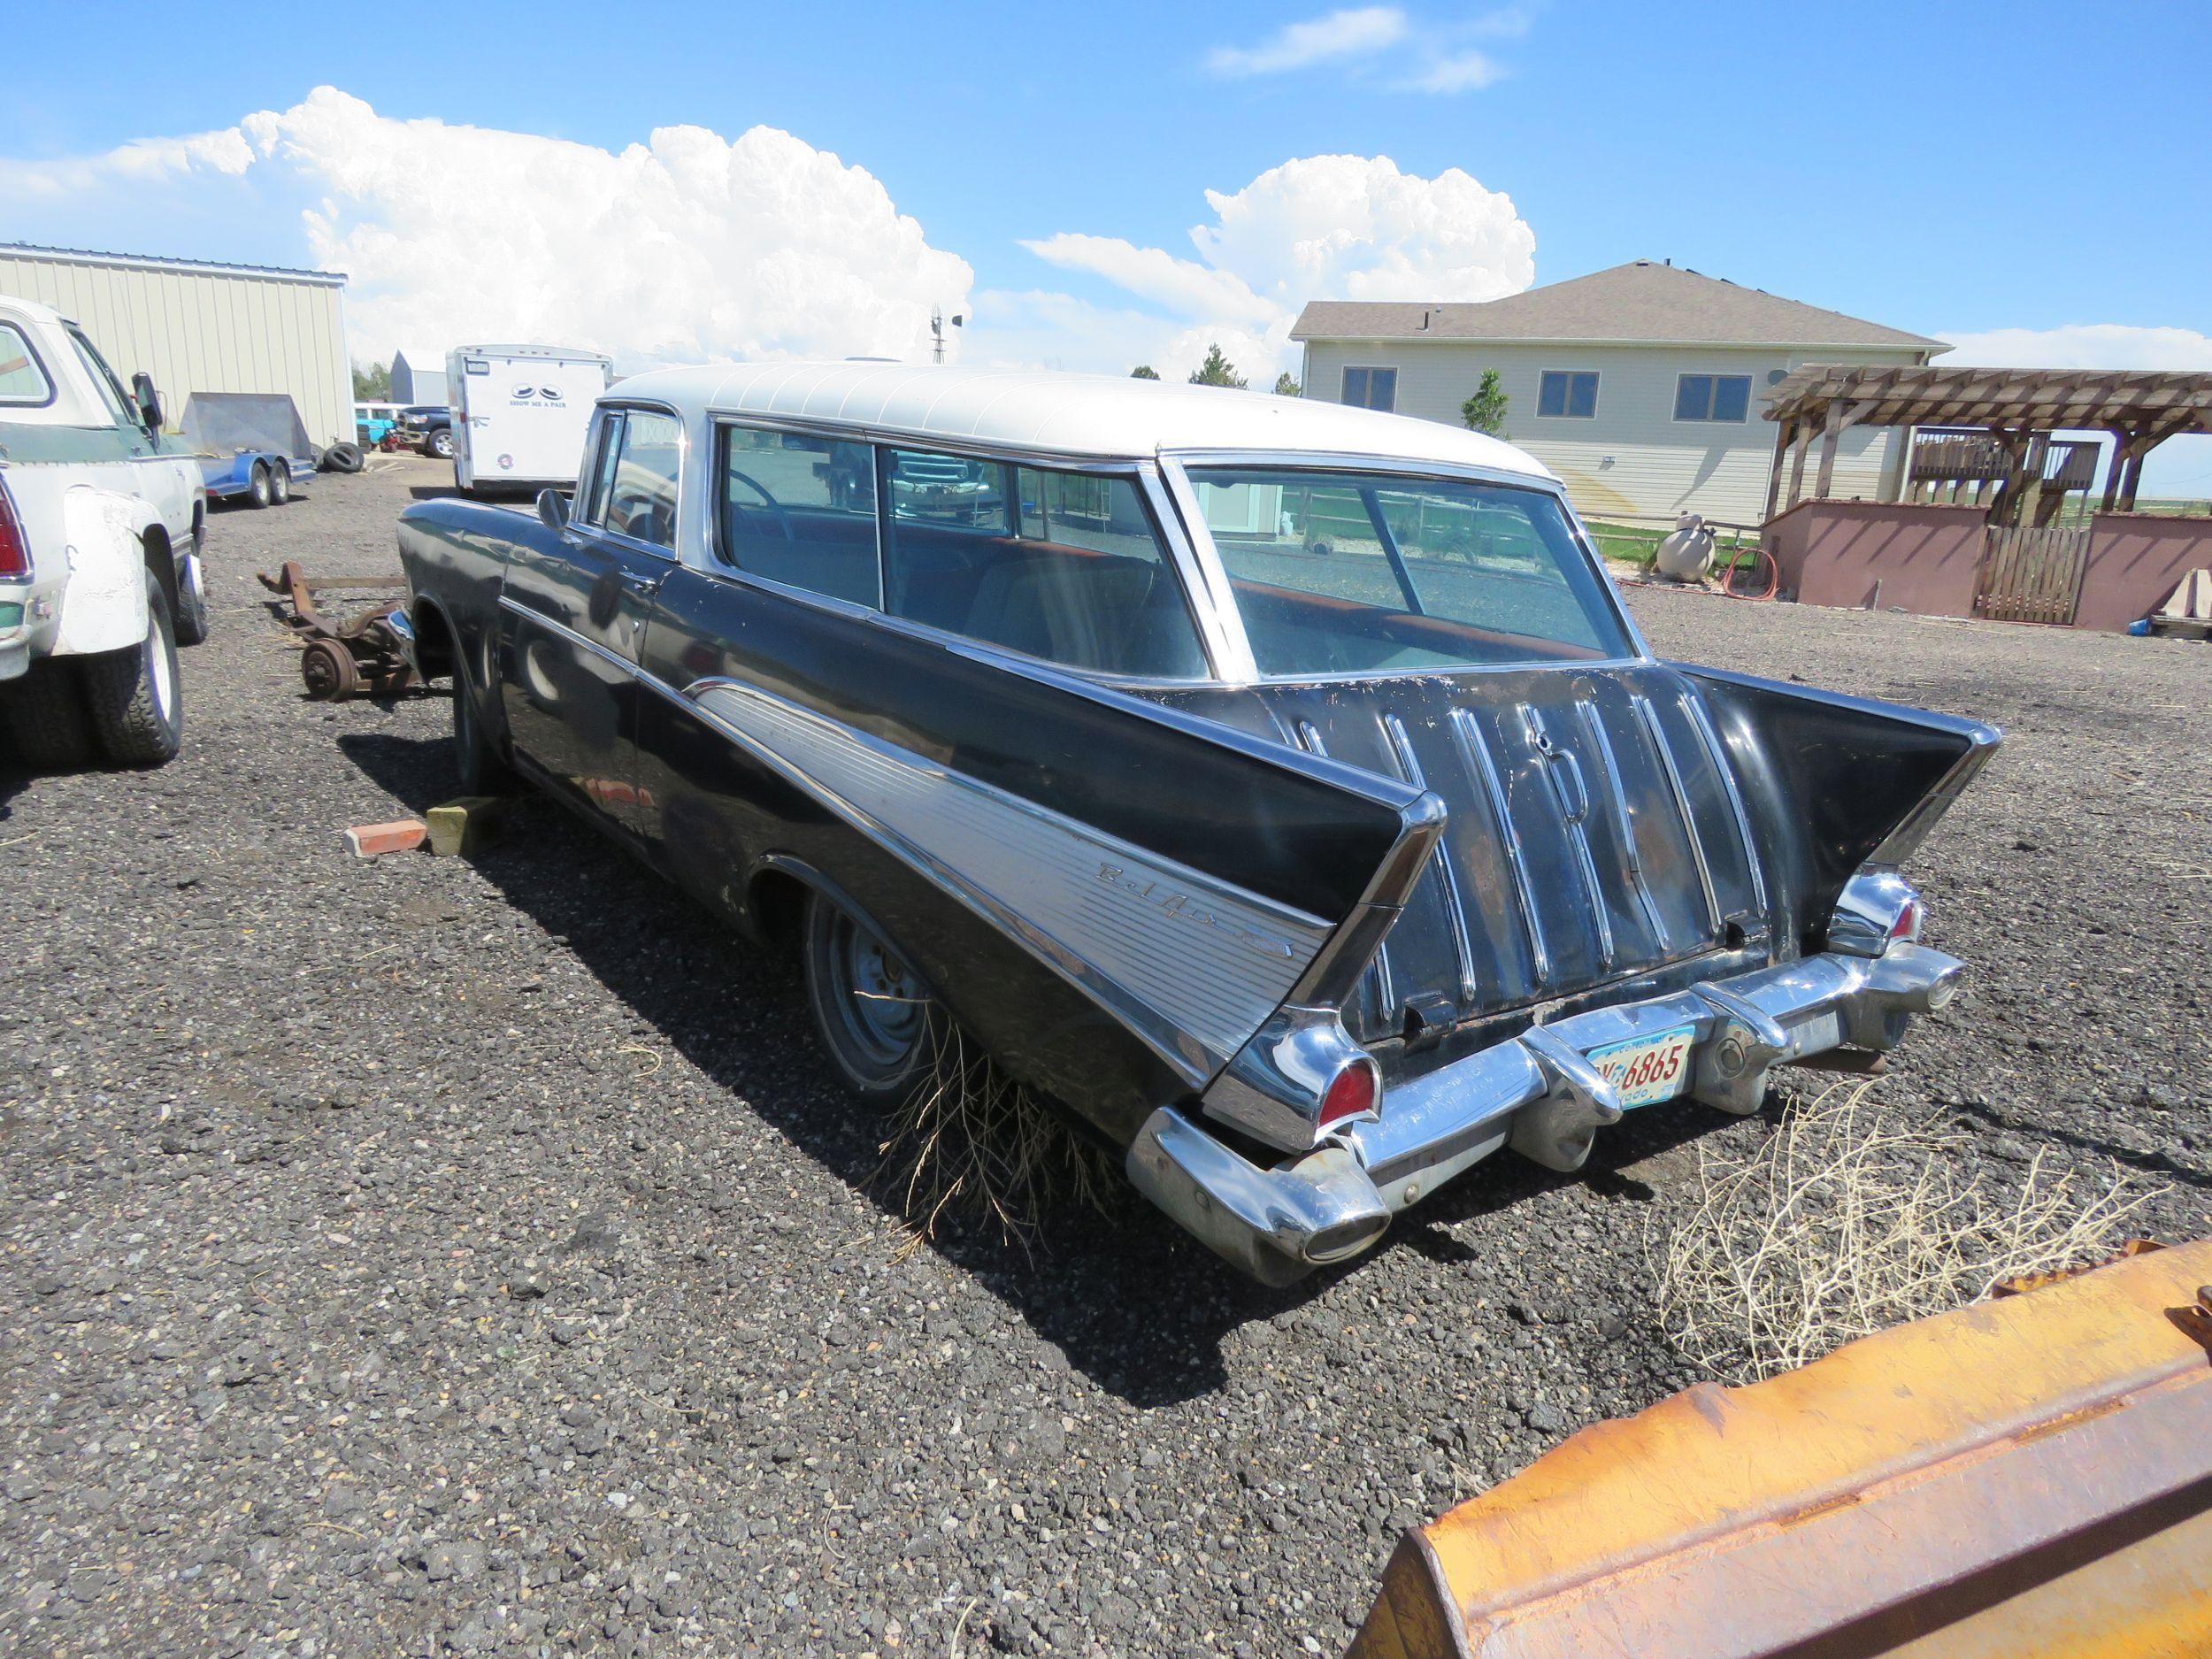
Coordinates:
column 2028, row 1478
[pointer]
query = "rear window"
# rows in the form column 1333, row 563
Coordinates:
column 1345, row 572
column 21, row 379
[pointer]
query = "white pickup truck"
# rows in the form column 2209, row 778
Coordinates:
column 101, row 527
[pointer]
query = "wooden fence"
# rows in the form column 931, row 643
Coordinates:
column 2031, row 575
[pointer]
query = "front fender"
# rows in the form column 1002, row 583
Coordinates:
column 104, row 601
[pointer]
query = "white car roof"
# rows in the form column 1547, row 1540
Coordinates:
column 30, row 310
column 1073, row 414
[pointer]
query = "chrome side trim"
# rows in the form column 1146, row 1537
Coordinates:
column 1694, row 707
column 1379, row 967
column 516, row 608
column 1463, row 947
column 1190, row 964
column 1476, row 754
column 1647, row 717
column 1624, row 823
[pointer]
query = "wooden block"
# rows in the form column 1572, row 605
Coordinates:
column 373, row 840
column 465, row 825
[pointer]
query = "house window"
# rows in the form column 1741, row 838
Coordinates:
column 1567, row 393
column 1712, row 397
column 1371, row 388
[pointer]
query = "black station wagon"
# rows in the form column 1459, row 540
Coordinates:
column 1280, row 787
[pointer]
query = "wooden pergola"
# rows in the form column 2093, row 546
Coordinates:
column 2018, row 408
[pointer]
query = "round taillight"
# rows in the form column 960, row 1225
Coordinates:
column 1351, row 1092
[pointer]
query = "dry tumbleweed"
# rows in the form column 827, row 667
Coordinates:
column 1847, row 1221
column 971, row 1141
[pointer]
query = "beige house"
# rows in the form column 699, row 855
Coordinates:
column 199, row 326
column 1640, row 385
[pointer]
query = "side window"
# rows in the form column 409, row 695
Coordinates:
column 641, row 494
column 1065, row 566
column 1372, row 388
column 1567, row 394
column 800, row 510
column 603, row 458
column 22, row 379
column 120, row 407
column 1712, row 397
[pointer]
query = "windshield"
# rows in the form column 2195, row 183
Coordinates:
column 1350, row 573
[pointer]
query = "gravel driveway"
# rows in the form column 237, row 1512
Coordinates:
column 425, row 1256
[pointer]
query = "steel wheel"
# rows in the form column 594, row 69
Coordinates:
column 328, row 670
column 874, row 1014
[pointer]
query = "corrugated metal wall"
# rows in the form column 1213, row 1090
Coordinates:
column 1634, row 459
column 199, row 330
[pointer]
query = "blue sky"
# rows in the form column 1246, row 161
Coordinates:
column 1884, row 159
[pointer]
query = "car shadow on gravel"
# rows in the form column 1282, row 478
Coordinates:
column 680, row 972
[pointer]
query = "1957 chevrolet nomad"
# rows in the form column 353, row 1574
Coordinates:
column 1280, row 786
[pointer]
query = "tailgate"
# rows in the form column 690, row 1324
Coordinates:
column 1594, row 832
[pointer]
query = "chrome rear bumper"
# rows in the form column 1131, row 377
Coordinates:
column 1537, row 1092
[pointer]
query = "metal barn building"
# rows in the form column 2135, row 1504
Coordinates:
column 199, row 326
column 419, row 376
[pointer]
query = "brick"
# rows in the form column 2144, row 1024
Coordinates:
column 373, row 840
column 465, row 825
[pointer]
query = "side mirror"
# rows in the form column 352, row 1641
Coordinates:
column 553, row 508
column 149, row 400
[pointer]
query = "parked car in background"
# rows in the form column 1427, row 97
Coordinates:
column 522, row 411
column 429, row 427
column 376, row 425
column 101, row 528
column 1279, row 786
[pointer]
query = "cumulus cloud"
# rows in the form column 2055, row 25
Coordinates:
column 686, row 247
column 1354, row 32
column 1316, row 227
column 1458, row 71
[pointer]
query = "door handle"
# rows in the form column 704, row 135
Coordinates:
column 643, row 586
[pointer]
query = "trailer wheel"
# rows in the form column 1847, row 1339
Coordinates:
column 257, row 487
column 878, row 1025
column 279, row 482
column 328, row 671
column 132, row 696
column 45, row 714
column 439, row 444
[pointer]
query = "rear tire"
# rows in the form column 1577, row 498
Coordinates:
column 480, row 769
column 46, row 717
column 279, row 483
column 133, row 695
column 439, row 444
column 258, row 489
column 342, row 457
column 876, row 1021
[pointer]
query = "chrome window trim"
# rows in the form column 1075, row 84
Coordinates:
column 673, row 553
column 1175, row 464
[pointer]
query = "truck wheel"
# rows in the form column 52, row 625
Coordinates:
column 258, row 490
column 439, row 444
column 132, row 696
column 342, row 457
column 279, row 482
column 878, row 1024
column 45, row 713
column 482, row 770
column 192, row 591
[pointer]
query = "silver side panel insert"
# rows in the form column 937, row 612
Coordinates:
column 1189, row 962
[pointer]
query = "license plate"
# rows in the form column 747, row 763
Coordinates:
column 1647, row 1069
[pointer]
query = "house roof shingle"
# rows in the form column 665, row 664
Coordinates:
column 1641, row 302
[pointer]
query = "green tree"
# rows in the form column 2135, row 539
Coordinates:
column 1216, row 370
column 1484, row 412
column 1285, row 387
column 1144, row 372
column 372, row 384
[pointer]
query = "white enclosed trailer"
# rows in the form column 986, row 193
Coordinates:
column 519, row 412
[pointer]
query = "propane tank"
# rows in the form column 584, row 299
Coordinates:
column 1686, row 554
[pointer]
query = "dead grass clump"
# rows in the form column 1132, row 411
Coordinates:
column 973, row 1143
column 1847, row 1221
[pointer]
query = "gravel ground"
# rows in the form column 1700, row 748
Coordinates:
column 425, row 1255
